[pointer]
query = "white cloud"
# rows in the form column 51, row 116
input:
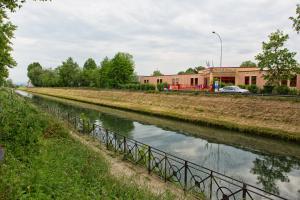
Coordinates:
column 170, row 35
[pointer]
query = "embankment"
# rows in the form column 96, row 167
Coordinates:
column 42, row 161
column 255, row 115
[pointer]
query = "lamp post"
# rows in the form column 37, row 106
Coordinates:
column 214, row 32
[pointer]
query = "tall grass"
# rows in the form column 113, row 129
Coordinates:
column 43, row 162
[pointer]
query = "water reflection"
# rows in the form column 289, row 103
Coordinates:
column 270, row 169
column 118, row 125
column 274, row 173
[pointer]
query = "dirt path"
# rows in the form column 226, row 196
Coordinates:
column 131, row 173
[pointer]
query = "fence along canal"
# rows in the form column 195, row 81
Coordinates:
column 190, row 176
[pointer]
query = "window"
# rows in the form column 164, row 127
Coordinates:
column 196, row 81
column 157, row 81
column 192, row 81
column 293, row 81
column 253, row 80
column 247, row 80
column 284, row 82
column 160, row 80
column 145, row 81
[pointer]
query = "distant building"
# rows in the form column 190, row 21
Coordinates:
column 228, row 75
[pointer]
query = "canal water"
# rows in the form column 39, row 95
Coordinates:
column 269, row 164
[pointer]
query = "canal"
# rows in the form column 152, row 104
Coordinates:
column 269, row 164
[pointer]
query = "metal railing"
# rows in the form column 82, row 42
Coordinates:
column 198, row 180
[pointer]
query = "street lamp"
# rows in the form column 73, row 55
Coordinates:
column 214, row 32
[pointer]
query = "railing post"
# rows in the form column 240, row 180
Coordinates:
column 244, row 191
column 165, row 167
column 82, row 125
column 125, row 145
column 106, row 132
column 149, row 159
column 136, row 153
column 115, row 138
column 185, row 175
column 211, row 184
column 93, row 129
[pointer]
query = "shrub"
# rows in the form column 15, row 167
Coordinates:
column 282, row 90
column 242, row 86
column 253, row 89
column 147, row 87
column 162, row 86
column 268, row 89
column 293, row 91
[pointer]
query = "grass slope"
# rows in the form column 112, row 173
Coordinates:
column 43, row 162
column 256, row 115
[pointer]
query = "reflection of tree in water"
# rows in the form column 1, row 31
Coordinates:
column 64, row 107
column 116, row 124
column 270, row 169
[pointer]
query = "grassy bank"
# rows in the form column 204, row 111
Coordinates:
column 43, row 162
column 255, row 115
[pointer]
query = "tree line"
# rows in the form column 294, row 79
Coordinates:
column 268, row 58
column 110, row 73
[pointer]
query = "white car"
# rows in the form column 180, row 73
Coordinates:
column 233, row 89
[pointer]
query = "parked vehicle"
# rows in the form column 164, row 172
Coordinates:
column 233, row 89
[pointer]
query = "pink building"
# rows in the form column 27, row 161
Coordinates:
column 232, row 75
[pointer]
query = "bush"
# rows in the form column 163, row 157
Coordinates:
column 147, row 87
column 268, row 89
column 242, row 86
column 293, row 91
column 282, row 90
column 253, row 89
column 162, row 86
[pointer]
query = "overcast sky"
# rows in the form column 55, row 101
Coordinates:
column 169, row 35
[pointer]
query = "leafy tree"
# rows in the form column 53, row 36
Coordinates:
column 277, row 60
column 34, row 72
column 9, row 83
column 90, row 64
column 6, row 34
column 199, row 68
column 69, row 73
column 121, row 70
column 134, row 78
column 248, row 63
column 157, row 73
column 89, row 73
column 105, row 67
column 192, row 70
column 50, row 78
column 296, row 20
